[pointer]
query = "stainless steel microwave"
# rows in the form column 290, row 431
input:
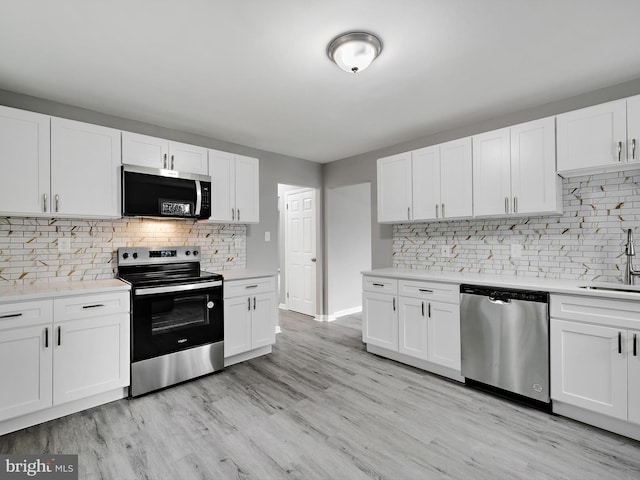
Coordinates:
column 154, row 192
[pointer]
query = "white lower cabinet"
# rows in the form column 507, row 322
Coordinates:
column 633, row 374
column 51, row 358
column 417, row 319
column 250, row 315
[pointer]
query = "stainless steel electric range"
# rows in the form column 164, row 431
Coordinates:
column 177, row 316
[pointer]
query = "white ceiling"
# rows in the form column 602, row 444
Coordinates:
column 255, row 72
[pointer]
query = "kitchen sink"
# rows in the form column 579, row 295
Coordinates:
column 613, row 288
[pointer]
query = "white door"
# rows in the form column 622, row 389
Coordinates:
column 590, row 137
column 587, row 368
column 443, row 334
column 634, row 375
column 188, row 158
column 300, row 246
column 394, row 188
column 85, row 169
column 263, row 321
column 24, row 151
column 237, row 325
column 26, row 357
column 144, row 150
column 380, row 320
column 456, row 179
column 412, row 327
column 222, row 170
column 91, row 356
column 633, row 129
column 534, row 182
column 425, row 166
column 247, row 189
column 491, row 173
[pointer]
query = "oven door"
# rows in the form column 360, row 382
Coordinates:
column 168, row 319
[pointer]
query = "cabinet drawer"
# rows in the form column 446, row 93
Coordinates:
column 25, row 314
column 380, row 285
column 249, row 286
column 443, row 292
column 88, row 306
column 603, row 311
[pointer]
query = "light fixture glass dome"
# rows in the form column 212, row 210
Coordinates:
column 353, row 52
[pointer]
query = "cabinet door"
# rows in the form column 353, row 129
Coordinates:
column 380, row 320
column 144, row 151
column 443, row 333
column 589, row 137
column 85, row 169
column 586, row 369
column 223, row 189
column 491, row 173
column 188, row 158
column 534, row 182
column 426, row 183
column 25, row 376
column 412, row 327
column 263, row 321
column 456, row 179
column 394, row 188
column 237, row 325
column 633, row 130
column 91, row 356
column 634, row 376
column 247, row 189
column 24, row 152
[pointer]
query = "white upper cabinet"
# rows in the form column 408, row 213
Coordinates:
column 24, row 155
column 593, row 139
column 633, row 130
column 235, row 186
column 514, row 171
column 425, row 183
column 85, row 169
column 153, row 152
column 394, row 188
column 456, row 179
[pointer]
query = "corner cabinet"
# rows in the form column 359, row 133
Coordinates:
column 153, row 152
column 415, row 322
column 235, row 188
column 595, row 361
column 67, row 354
column 250, row 317
column 514, row 171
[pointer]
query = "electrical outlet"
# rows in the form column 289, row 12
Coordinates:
column 516, row 250
column 64, row 245
column 267, row 236
column 445, row 250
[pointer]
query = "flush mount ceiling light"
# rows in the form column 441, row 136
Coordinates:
column 354, row 51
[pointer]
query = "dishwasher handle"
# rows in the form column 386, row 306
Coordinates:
column 499, row 301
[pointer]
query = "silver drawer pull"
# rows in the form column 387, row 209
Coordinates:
column 11, row 315
column 251, row 286
column 97, row 305
column 619, row 151
column 378, row 284
column 425, row 290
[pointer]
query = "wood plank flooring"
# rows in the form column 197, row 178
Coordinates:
column 321, row 407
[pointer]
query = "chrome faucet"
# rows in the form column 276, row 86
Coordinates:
column 630, row 251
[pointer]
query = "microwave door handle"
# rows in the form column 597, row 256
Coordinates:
column 198, row 198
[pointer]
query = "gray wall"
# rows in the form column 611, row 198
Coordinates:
column 362, row 168
column 274, row 168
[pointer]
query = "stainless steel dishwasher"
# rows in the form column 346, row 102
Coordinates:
column 505, row 340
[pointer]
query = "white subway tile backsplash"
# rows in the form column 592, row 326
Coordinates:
column 29, row 246
column 586, row 242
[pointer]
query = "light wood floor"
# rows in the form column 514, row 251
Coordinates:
column 321, row 407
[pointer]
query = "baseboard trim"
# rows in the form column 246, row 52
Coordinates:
column 243, row 357
column 282, row 306
column 599, row 420
column 346, row 311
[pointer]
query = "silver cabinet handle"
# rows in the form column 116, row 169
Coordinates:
column 408, row 213
column 173, row 163
column 233, row 214
column 249, row 303
column 378, row 285
column 515, row 204
column 394, row 304
column 506, row 204
column 436, row 210
column 429, row 309
column 251, row 286
column 57, row 203
column 59, row 335
column 238, row 214
column 44, row 202
column 423, row 309
column 425, row 290
column 635, row 345
column 443, row 210
column 164, row 161
column 254, row 303
column 97, row 305
column 619, row 151
column 11, row 315
column 46, row 337
column 620, row 343
column 633, row 149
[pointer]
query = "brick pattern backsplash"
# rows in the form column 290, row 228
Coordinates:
column 29, row 246
column 585, row 243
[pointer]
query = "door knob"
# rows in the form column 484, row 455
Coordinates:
column 314, row 259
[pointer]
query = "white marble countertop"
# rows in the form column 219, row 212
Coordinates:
column 245, row 273
column 38, row 291
column 570, row 287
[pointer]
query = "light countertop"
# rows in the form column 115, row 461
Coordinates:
column 23, row 293
column 245, row 273
column 569, row 287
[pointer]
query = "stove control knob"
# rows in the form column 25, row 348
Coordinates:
column 187, row 253
column 125, row 255
column 209, row 305
column 135, row 254
column 195, row 252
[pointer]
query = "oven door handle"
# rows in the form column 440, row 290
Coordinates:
column 176, row 288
